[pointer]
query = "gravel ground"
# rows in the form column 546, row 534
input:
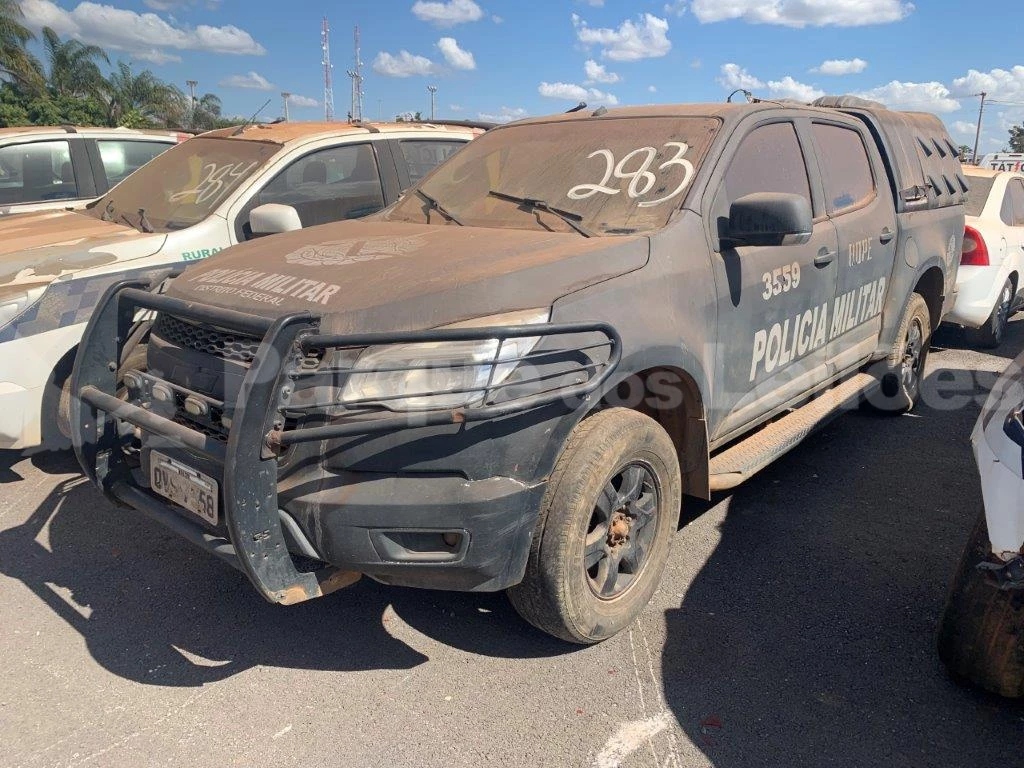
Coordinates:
column 795, row 627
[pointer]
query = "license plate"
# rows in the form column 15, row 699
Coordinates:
column 184, row 486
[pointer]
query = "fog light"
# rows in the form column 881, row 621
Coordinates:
column 451, row 539
column 162, row 393
column 133, row 381
column 196, row 407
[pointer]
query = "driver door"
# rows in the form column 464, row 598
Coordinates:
column 773, row 301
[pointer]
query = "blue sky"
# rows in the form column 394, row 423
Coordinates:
column 507, row 58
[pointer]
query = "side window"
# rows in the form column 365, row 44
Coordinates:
column 423, row 156
column 849, row 182
column 329, row 185
column 37, row 172
column 768, row 160
column 1006, row 213
column 123, row 158
column 1017, row 196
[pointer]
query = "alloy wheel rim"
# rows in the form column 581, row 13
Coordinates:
column 621, row 531
column 912, row 354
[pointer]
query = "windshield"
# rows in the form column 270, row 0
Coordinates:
column 980, row 186
column 612, row 176
column 184, row 185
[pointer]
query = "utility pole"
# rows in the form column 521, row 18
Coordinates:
column 433, row 91
column 977, row 135
column 285, row 95
column 192, row 101
column 325, row 45
column 356, row 73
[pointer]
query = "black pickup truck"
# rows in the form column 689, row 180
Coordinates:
column 510, row 378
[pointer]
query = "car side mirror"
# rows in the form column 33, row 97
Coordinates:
column 273, row 218
column 768, row 218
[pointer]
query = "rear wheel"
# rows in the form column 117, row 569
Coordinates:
column 981, row 636
column 605, row 528
column 991, row 334
column 900, row 383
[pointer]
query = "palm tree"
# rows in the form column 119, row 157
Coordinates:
column 205, row 112
column 73, row 67
column 16, row 63
column 142, row 98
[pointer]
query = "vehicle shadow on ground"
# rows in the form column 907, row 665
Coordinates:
column 808, row 638
column 154, row 609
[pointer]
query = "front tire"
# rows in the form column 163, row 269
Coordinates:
column 991, row 334
column 900, row 383
column 981, row 636
column 605, row 528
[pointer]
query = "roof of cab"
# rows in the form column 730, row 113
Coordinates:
column 28, row 130
column 282, row 133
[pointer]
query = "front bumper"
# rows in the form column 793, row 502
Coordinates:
column 440, row 530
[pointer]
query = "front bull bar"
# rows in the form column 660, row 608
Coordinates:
column 256, row 543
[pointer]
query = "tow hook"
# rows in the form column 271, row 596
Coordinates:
column 1006, row 576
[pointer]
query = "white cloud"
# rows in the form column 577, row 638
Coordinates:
column 497, row 19
column 455, row 108
column 596, row 73
column 927, row 97
column 838, row 67
column 172, row 5
column 144, row 36
column 504, row 115
column 1003, row 84
column 455, row 56
column 652, row 89
column 788, row 88
column 675, row 8
column 573, row 92
column 252, row 80
column 447, row 14
column 647, row 39
column 405, row 64
column 964, row 128
column 302, row 102
column 803, row 13
column 594, row 3
column 734, row 76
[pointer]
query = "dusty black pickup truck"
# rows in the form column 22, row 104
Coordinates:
column 510, row 378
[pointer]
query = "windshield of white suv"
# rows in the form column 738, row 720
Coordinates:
column 184, row 185
column 604, row 176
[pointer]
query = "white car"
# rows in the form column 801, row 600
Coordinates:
column 989, row 281
column 199, row 198
column 981, row 637
column 43, row 169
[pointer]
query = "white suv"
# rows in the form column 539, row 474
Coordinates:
column 989, row 281
column 44, row 169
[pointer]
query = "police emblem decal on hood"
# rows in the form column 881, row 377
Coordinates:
column 355, row 249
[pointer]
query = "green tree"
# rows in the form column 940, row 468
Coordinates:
column 1017, row 138
column 73, row 67
column 205, row 113
column 16, row 63
column 143, row 99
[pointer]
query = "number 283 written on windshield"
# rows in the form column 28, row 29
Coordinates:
column 641, row 180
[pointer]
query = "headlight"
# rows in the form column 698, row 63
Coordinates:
column 441, row 374
column 16, row 299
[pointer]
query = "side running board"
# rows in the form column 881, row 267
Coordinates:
column 741, row 461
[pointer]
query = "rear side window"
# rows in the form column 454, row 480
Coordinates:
column 1016, row 195
column 329, row 185
column 421, row 157
column 122, row 158
column 849, row 182
column 977, row 196
column 768, row 160
column 37, row 172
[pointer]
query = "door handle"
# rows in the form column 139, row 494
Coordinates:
column 886, row 236
column 824, row 257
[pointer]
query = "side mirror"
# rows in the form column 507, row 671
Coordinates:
column 273, row 218
column 769, row 218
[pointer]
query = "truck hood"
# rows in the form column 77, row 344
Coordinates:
column 394, row 276
column 35, row 247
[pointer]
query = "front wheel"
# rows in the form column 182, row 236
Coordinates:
column 606, row 524
column 900, row 383
column 990, row 335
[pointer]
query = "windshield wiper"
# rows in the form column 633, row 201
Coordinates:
column 569, row 217
column 108, row 212
column 144, row 222
column 436, row 206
